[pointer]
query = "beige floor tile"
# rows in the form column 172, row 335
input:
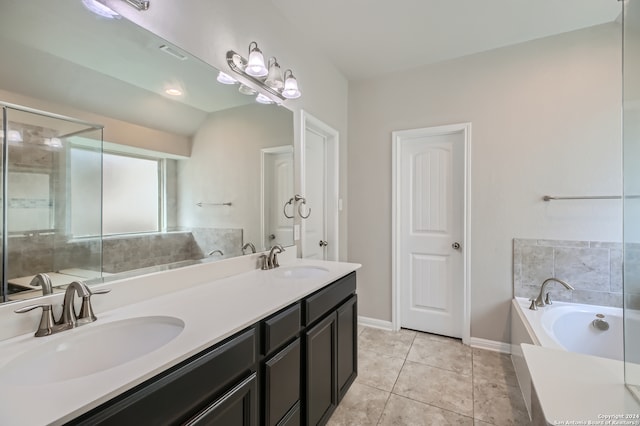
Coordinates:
column 376, row 370
column 391, row 343
column 477, row 422
column 494, row 366
column 402, row 411
column 361, row 329
column 362, row 405
column 442, row 388
column 449, row 354
column 498, row 403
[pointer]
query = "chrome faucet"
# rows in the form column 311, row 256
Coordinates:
column 68, row 319
column 43, row 281
column 271, row 261
column 248, row 245
column 539, row 301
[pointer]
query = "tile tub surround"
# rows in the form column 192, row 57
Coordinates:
column 593, row 268
column 413, row 378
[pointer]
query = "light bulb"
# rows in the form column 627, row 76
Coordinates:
column 262, row 99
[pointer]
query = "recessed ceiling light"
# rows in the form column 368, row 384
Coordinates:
column 173, row 92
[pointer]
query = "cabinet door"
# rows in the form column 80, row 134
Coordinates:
column 282, row 383
column 235, row 408
column 321, row 385
column 347, row 345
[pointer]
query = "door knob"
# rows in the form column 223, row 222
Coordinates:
column 456, row 246
column 323, row 243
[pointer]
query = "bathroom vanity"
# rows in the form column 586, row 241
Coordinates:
column 260, row 347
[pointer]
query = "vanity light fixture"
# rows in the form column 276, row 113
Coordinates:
column 138, row 4
column 225, row 78
column 262, row 99
column 255, row 65
column 274, row 78
column 290, row 86
column 269, row 81
column 100, row 9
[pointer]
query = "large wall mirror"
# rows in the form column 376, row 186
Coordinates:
column 191, row 170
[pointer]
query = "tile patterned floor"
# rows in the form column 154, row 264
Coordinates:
column 412, row 378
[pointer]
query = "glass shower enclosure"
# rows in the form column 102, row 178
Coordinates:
column 51, row 178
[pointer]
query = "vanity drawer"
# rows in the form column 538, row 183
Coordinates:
column 326, row 299
column 280, row 328
column 184, row 390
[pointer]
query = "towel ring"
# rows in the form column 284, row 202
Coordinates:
column 304, row 202
column 284, row 209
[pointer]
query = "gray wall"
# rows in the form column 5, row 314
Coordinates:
column 546, row 119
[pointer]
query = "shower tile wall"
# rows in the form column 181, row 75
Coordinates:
column 593, row 268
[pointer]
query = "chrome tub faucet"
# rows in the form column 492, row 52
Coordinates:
column 544, row 299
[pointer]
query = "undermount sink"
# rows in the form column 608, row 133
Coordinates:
column 300, row 272
column 90, row 350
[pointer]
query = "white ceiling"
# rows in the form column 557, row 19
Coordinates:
column 365, row 38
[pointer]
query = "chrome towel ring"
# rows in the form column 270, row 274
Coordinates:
column 292, row 201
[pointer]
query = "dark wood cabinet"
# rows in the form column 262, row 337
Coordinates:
column 177, row 394
column 282, row 384
column 347, row 317
column 330, row 348
column 321, row 379
column 289, row 369
column 237, row 407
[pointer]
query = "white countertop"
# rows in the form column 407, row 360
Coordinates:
column 576, row 388
column 211, row 312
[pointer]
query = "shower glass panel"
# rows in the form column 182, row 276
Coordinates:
column 631, row 163
column 45, row 199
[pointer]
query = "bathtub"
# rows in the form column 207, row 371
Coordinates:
column 569, row 326
column 564, row 326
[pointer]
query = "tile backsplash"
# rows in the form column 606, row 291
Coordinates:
column 593, row 268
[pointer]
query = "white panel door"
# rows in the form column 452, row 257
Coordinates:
column 431, row 228
column 278, row 169
column 315, row 169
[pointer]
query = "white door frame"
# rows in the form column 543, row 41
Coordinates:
column 309, row 122
column 397, row 138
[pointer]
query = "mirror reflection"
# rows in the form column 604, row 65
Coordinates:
column 178, row 167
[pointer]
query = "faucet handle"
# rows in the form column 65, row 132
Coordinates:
column 533, row 306
column 86, row 314
column 547, row 299
column 47, row 324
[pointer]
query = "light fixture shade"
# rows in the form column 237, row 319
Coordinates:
column 255, row 64
column 274, row 78
column 226, row 78
column 290, row 90
column 100, row 9
column 262, row 99
column 246, row 90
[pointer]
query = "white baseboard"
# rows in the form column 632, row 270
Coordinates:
column 375, row 323
column 490, row 345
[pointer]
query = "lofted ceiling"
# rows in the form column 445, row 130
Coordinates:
column 366, row 38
